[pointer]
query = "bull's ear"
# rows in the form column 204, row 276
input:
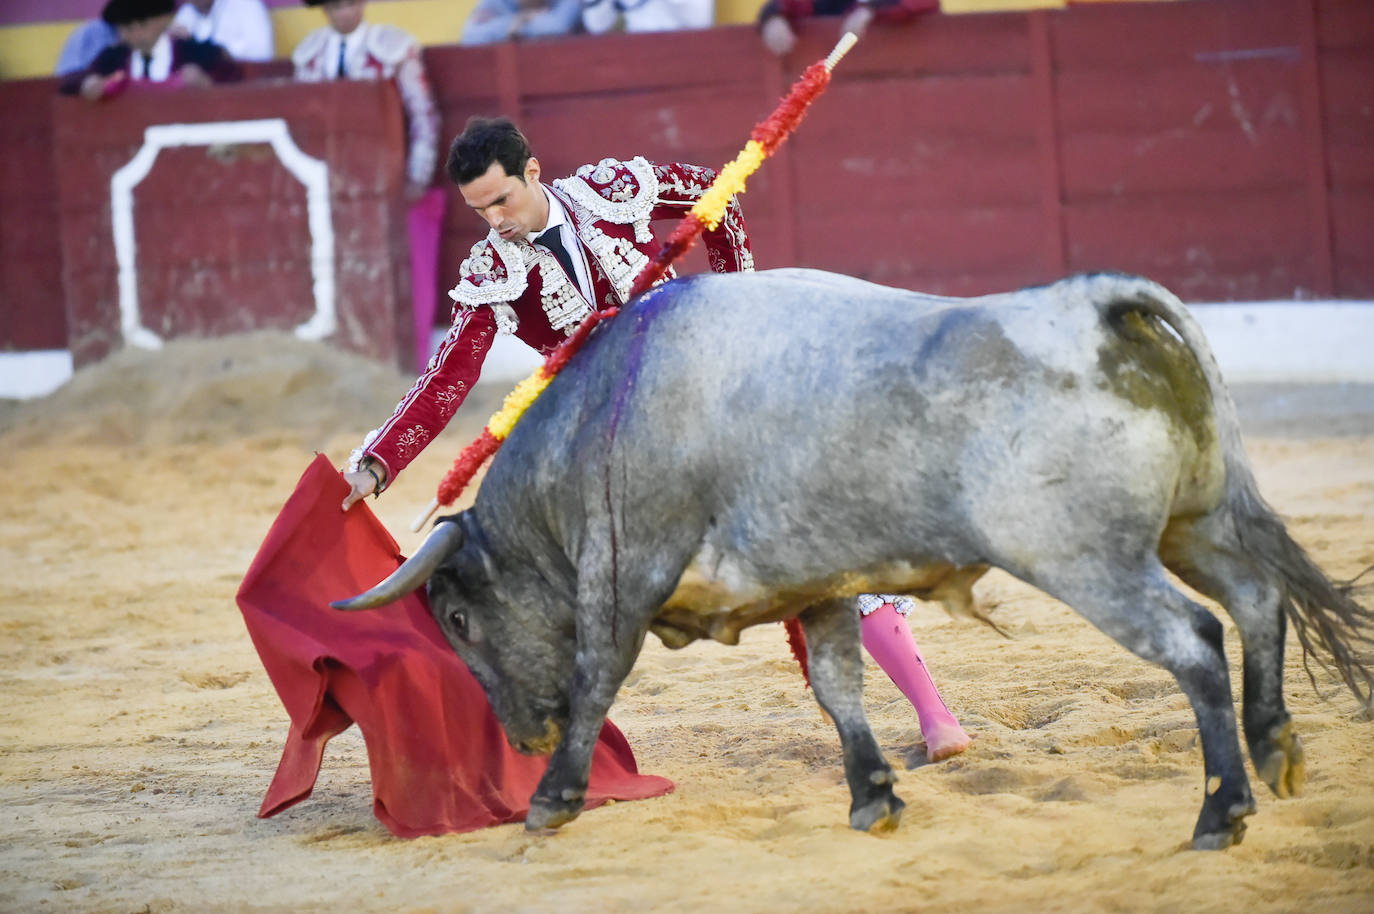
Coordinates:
column 443, row 541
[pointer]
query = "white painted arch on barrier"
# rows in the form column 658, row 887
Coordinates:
column 311, row 172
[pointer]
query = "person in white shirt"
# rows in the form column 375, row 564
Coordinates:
column 241, row 27
column 492, row 21
column 351, row 48
column 83, row 44
column 600, row 16
column 146, row 53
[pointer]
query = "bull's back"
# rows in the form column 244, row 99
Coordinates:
column 792, row 422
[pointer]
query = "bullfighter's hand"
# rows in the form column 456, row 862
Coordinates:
column 362, row 485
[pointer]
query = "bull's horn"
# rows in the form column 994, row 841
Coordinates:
column 446, row 538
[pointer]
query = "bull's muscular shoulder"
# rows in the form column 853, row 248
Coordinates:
column 614, row 191
column 388, row 43
column 311, row 46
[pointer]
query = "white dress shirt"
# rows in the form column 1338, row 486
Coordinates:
column 647, row 15
column 354, row 59
column 157, row 67
column 558, row 219
column 241, row 27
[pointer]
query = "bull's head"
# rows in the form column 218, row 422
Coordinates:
column 506, row 627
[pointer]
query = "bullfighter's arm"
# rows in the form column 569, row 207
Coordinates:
column 679, row 188
column 427, row 408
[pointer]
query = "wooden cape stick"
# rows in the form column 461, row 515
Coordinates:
column 707, row 213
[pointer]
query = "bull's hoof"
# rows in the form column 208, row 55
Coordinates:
column 546, row 816
column 1233, row 832
column 878, row 816
column 1282, row 766
column 1219, row 841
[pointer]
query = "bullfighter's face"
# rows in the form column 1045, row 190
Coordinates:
column 504, row 638
column 513, row 205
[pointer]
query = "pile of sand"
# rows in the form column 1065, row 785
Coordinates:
column 216, row 390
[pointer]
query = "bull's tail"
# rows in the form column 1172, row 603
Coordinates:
column 1329, row 624
column 1323, row 614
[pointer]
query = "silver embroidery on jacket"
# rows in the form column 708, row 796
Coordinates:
column 604, row 192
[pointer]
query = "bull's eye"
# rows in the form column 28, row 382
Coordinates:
column 458, row 622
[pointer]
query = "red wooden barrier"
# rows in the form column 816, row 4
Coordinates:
column 1219, row 146
column 221, row 233
column 1344, row 81
column 31, row 311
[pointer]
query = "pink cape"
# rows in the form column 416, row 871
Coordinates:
column 439, row 759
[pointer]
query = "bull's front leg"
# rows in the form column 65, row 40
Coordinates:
column 599, row 670
column 837, row 676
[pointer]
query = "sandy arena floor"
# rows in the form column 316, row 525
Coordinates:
column 138, row 731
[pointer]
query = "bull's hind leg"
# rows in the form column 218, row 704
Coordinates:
column 837, row 676
column 1143, row 612
column 1205, row 554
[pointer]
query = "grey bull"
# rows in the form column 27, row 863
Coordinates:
column 746, row 448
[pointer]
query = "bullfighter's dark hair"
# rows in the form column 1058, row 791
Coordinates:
column 126, row 12
column 485, row 140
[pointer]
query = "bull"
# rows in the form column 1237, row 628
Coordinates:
column 747, row 448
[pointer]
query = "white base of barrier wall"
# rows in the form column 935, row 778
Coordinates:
column 1289, row 342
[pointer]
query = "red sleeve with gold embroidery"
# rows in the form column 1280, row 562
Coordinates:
column 436, row 395
column 679, row 188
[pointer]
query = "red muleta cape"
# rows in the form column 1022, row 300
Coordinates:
column 439, row 759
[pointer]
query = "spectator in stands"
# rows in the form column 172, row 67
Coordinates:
column 599, row 16
column 503, row 20
column 146, row 53
column 777, row 18
column 241, row 27
column 351, row 48
column 83, row 44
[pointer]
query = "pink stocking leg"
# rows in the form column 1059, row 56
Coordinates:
column 888, row 639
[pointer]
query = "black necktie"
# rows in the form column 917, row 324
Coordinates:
column 553, row 240
column 343, row 50
column 147, row 61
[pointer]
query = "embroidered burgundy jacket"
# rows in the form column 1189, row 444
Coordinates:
column 380, row 52
column 519, row 288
